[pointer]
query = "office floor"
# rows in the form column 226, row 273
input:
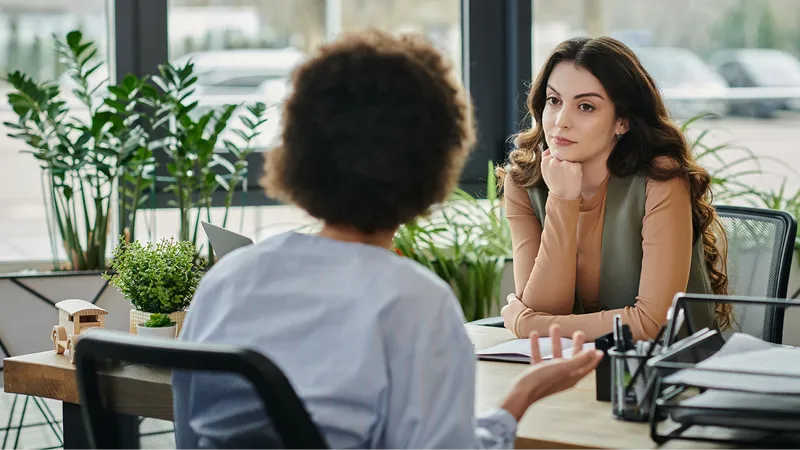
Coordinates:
column 155, row 433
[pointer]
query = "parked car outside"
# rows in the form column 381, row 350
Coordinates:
column 689, row 85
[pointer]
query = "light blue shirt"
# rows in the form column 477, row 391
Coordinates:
column 373, row 343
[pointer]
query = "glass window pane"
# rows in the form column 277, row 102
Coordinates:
column 738, row 59
column 26, row 44
column 244, row 51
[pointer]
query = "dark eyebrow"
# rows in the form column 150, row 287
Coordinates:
column 585, row 94
column 588, row 94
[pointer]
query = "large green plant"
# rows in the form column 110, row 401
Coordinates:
column 190, row 138
column 189, row 141
column 466, row 242
column 82, row 156
column 251, row 122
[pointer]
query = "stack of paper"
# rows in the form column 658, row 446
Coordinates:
column 752, row 384
column 746, row 364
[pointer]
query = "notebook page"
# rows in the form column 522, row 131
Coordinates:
column 519, row 350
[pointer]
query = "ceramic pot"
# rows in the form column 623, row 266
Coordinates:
column 169, row 332
column 138, row 317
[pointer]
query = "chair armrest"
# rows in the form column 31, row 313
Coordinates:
column 496, row 321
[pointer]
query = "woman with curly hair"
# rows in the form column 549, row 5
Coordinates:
column 609, row 212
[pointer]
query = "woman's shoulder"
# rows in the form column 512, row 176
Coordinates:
column 512, row 188
column 676, row 187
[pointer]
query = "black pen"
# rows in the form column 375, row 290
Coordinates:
column 627, row 337
column 618, row 339
column 620, row 365
column 660, row 334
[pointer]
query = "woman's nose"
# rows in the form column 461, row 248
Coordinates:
column 563, row 120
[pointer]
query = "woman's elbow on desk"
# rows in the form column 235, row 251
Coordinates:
column 546, row 301
column 522, row 320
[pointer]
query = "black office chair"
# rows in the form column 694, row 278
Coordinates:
column 287, row 415
column 760, row 250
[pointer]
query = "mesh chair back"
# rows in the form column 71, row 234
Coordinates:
column 760, row 250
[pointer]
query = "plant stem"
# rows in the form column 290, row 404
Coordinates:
column 229, row 195
column 182, row 207
column 137, row 190
column 86, row 217
column 49, row 220
column 208, row 215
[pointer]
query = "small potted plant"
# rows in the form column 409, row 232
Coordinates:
column 158, row 278
column 158, row 326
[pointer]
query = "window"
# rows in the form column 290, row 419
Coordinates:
column 26, row 44
column 244, row 51
column 736, row 58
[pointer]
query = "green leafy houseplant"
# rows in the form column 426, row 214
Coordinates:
column 156, row 278
column 189, row 142
column 727, row 164
column 158, row 321
column 88, row 162
column 251, row 124
column 82, row 160
column 190, row 138
column 465, row 242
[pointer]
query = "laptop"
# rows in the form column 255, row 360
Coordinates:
column 224, row 241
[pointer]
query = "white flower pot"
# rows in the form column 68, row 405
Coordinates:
column 137, row 317
column 157, row 332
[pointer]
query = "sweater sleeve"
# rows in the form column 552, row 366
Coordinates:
column 544, row 259
column 667, row 248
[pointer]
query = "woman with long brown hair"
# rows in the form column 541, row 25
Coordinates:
column 609, row 212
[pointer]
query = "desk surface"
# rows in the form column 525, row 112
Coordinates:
column 570, row 419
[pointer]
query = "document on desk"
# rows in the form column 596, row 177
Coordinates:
column 519, row 350
column 746, row 364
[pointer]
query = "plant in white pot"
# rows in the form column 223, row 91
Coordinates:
column 158, row 326
column 157, row 278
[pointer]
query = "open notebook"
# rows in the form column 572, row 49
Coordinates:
column 519, row 350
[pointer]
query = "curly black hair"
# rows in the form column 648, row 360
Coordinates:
column 375, row 130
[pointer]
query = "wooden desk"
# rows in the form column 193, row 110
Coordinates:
column 571, row 419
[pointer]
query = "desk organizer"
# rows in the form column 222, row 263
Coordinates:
column 755, row 404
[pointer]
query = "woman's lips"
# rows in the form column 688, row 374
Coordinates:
column 562, row 141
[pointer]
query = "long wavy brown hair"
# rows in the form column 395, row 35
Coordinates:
column 651, row 137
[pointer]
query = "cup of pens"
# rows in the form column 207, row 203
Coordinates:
column 631, row 385
column 632, row 381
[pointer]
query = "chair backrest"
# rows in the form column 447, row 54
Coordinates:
column 759, row 258
column 283, row 407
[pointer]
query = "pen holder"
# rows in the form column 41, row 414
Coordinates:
column 632, row 385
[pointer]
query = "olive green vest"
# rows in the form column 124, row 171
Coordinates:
column 621, row 248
